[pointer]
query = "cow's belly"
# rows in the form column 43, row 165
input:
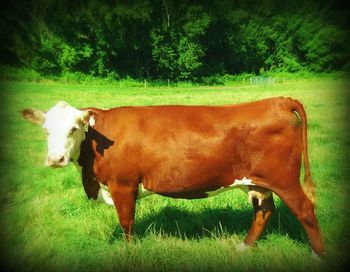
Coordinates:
column 244, row 184
column 193, row 178
column 205, row 192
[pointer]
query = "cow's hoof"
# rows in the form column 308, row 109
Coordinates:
column 242, row 247
column 316, row 257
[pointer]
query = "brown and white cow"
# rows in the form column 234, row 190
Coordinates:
column 188, row 152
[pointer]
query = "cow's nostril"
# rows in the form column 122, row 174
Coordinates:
column 61, row 159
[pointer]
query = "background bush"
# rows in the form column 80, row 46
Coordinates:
column 175, row 40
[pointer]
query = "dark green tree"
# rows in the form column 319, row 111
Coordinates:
column 178, row 40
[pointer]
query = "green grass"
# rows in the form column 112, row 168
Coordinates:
column 47, row 223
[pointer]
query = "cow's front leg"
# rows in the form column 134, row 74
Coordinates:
column 262, row 213
column 124, row 198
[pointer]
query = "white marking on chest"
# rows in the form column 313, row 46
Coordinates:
column 92, row 121
column 238, row 183
column 104, row 196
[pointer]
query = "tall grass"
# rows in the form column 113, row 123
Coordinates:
column 47, row 223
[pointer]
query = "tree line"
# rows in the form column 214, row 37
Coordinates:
column 177, row 40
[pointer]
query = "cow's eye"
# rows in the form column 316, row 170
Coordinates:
column 74, row 129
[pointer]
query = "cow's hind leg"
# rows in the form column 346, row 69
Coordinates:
column 262, row 214
column 303, row 209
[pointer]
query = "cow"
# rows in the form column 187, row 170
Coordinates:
column 188, row 152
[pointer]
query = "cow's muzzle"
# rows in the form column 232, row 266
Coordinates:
column 56, row 161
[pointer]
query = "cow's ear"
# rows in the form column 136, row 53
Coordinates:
column 34, row 116
column 88, row 117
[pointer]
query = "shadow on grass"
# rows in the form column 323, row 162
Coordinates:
column 176, row 222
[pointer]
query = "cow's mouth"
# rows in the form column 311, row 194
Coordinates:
column 60, row 162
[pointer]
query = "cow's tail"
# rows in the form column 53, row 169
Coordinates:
column 308, row 185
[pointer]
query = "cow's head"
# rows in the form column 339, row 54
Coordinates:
column 64, row 126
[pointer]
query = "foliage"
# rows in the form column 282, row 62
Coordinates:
column 9, row 73
column 19, row 74
column 176, row 40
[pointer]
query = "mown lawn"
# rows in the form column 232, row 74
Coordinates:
column 47, row 223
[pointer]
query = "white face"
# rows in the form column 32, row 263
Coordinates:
column 64, row 126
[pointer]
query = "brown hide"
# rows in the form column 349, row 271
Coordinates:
column 186, row 151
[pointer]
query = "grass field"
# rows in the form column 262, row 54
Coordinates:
column 47, row 223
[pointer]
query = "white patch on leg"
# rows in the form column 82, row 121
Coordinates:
column 259, row 193
column 246, row 185
column 242, row 247
column 314, row 256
